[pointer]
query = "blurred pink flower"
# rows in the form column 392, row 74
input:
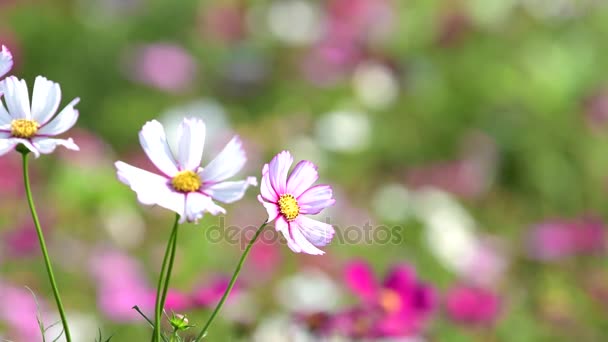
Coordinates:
column 164, row 66
column 406, row 304
column 11, row 178
column 94, row 151
column 22, row 241
column 19, row 311
column 208, row 294
column 224, row 23
column 595, row 108
column 286, row 199
column 560, row 238
column 472, row 305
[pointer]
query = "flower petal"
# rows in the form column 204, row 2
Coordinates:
column 226, row 164
column 191, row 133
column 48, row 145
column 315, row 199
column 28, row 144
column 229, row 192
column 16, row 97
column 318, row 233
column 266, row 189
column 6, row 61
column 151, row 188
column 5, row 118
column 196, row 205
column 401, row 278
column 271, row 208
column 154, row 142
column 305, row 245
column 360, row 279
column 6, row 145
column 45, row 99
column 65, row 120
column 302, row 177
column 278, row 169
column 282, row 226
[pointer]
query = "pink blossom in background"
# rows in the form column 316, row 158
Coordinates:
column 359, row 20
column 11, row 177
column 557, row 239
column 165, row 66
column 208, row 294
column 175, row 301
column 19, row 311
column 595, row 107
column 224, row 23
column 121, row 284
column 489, row 262
column 472, row 305
column 405, row 303
column 94, row 151
column 22, row 240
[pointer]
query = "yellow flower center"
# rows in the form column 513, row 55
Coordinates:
column 186, row 181
column 390, row 301
column 24, row 128
column 288, row 205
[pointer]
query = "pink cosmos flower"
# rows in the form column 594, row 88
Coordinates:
column 405, row 303
column 183, row 185
column 286, row 199
column 33, row 126
column 6, row 61
column 472, row 305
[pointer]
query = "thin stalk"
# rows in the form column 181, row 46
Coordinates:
column 45, row 254
column 232, row 281
column 156, row 335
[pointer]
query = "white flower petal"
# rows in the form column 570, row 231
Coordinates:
column 16, row 97
column 154, row 142
column 6, row 61
column 271, row 208
column 302, row 177
column 65, row 120
column 48, row 145
column 191, row 133
column 227, row 163
column 45, row 100
column 266, row 189
column 282, row 226
column 302, row 242
column 28, row 144
column 196, row 205
column 229, row 192
column 318, row 233
column 279, row 168
column 315, row 199
column 6, row 145
column 5, row 118
column 151, row 188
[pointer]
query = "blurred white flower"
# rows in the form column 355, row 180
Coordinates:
column 124, row 225
column 392, row 202
column 307, row 149
column 280, row 329
column 309, row 291
column 82, row 325
column 375, row 85
column 344, row 131
column 295, row 22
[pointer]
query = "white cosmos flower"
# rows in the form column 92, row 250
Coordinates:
column 183, row 186
column 35, row 125
column 6, row 61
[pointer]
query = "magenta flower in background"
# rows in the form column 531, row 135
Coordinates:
column 405, row 303
column 184, row 186
column 164, row 66
column 472, row 305
column 6, row 61
column 286, row 199
column 19, row 311
column 557, row 239
column 33, row 126
column 208, row 294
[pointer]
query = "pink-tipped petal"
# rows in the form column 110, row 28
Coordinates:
column 278, row 170
column 271, row 208
column 229, row 192
column 151, row 188
column 65, row 120
column 16, row 97
column 191, row 133
column 48, row 145
column 360, row 279
column 45, row 100
column 282, row 226
column 154, row 142
column 302, row 177
column 318, row 233
column 6, row 61
column 266, row 189
column 230, row 161
column 305, row 245
column 315, row 199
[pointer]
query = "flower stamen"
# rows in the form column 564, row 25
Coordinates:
column 24, row 128
column 186, row 181
column 288, row 206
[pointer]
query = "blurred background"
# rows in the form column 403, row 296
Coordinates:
column 465, row 140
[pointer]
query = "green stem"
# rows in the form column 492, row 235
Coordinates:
column 232, row 281
column 45, row 254
column 162, row 282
